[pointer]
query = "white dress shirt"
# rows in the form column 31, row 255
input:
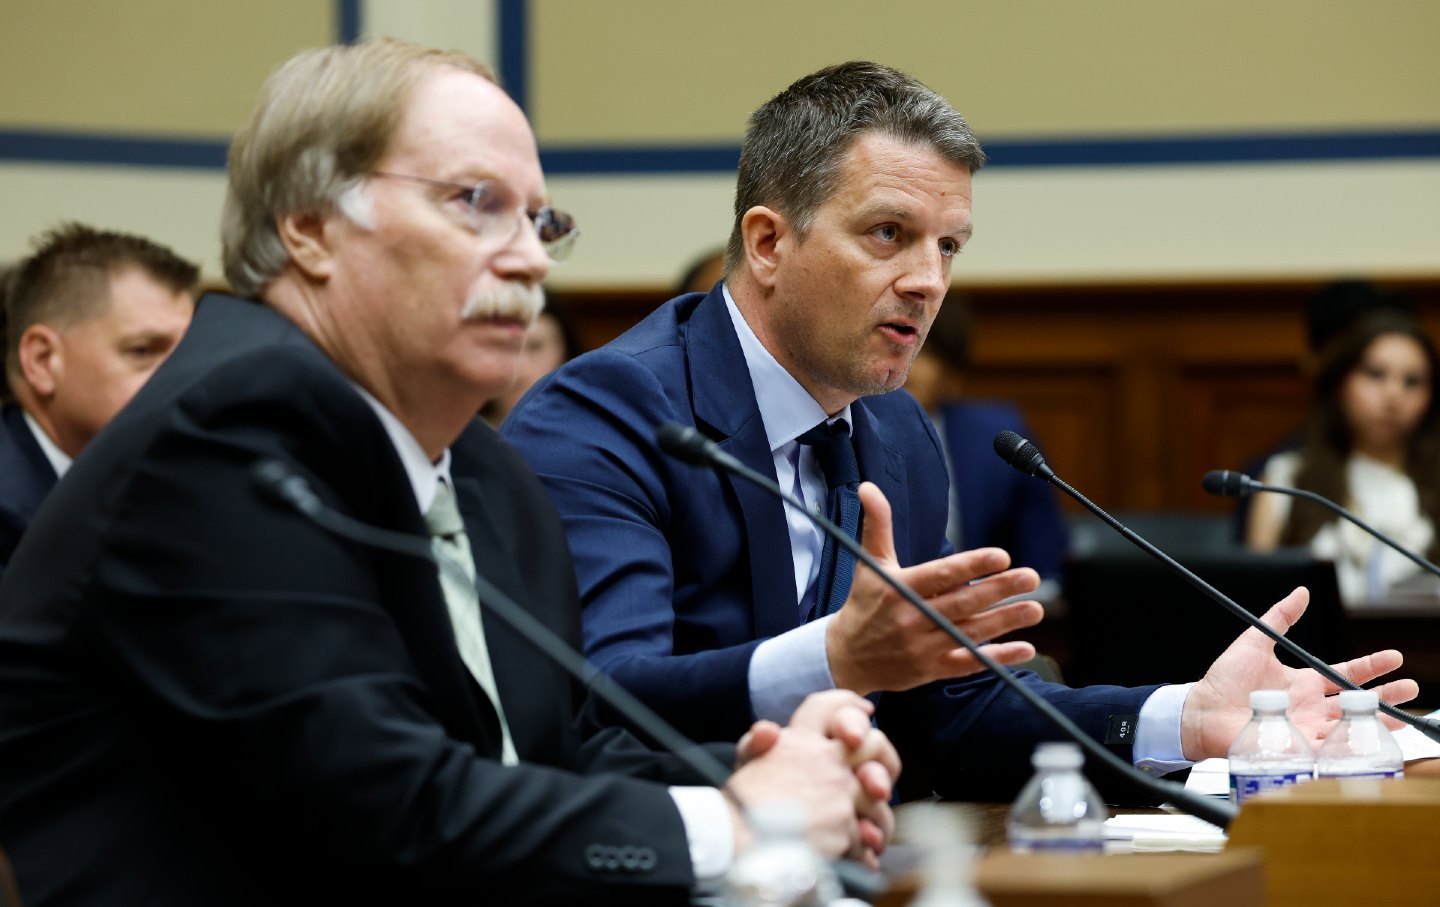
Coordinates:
column 59, row 460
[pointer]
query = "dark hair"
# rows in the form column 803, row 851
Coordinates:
column 66, row 280
column 686, row 283
column 1328, row 443
column 1342, row 303
column 557, row 308
column 796, row 142
column 949, row 336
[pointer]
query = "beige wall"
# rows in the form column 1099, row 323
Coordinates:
column 667, row 72
column 1033, row 68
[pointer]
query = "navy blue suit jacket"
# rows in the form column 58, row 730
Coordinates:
column 25, row 478
column 1001, row 506
column 683, row 572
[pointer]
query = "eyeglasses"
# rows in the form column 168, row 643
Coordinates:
column 496, row 215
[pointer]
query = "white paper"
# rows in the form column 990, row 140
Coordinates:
column 1415, row 745
column 1155, row 832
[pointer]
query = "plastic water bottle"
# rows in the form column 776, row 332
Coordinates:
column 781, row 869
column 946, row 832
column 1058, row 811
column 1270, row 752
column 1360, row 746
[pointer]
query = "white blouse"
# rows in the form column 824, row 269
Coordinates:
column 1369, row 572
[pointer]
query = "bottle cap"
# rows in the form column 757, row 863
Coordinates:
column 1057, row 755
column 1270, row 700
column 1359, row 700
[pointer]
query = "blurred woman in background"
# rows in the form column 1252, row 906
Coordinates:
column 549, row 343
column 1372, row 444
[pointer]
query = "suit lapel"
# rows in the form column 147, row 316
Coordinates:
column 884, row 465
column 725, row 409
column 512, row 659
column 26, row 476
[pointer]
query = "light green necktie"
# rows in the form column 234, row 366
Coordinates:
column 452, row 547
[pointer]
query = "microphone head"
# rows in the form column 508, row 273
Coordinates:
column 1228, row 483
column 685, row 443
column 281, row 483
column 1019, row 453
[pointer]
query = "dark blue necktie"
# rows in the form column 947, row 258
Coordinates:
column 836, row 454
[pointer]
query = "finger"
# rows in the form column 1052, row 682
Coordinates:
column 818, row 710
column 977, row 598
column 1281, row 617
column 877, row 827
column 876, row 781
column 759, row 740
column 960, row 663
column 850, row 727
column 1366, row 668
column 877, row 533
column 877, row 748
column 1001, row 620
column 958, row 570
column 872, row 843
column 1397, row 692
column 876, row 813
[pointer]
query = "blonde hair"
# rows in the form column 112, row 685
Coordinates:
column 322, row 122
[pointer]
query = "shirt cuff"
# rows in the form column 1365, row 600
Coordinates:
column 709, row 831
column 785, row 669
column 1158, row 749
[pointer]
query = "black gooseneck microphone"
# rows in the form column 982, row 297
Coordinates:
column 1026, row 457
column 283, row 484
column 1230, row 484
column 692, row 447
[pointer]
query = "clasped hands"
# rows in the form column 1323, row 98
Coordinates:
column 832, row 761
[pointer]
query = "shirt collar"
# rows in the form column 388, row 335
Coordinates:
column 422, row 473
column 59, row 460
column 786, row 407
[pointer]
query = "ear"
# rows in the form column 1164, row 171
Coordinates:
column 308, row 238
column 42, row 359
column 764, row 232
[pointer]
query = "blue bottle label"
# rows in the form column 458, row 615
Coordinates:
column 1396, row 774
column 1245, row 786
column 1061, row 844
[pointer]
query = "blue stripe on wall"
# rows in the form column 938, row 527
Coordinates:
column 1215, row 149
column 347, row 21
column 601, row 160
column 1101, row 152
column 123, row 150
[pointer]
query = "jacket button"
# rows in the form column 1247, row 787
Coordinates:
column 595, row 857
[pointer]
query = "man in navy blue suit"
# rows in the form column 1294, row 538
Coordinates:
column 88, row 317
column 853, row 198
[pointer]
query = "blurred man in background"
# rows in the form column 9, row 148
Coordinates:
column 88, row 318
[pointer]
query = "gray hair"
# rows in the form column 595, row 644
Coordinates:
column 322, row 122
column 797, row 141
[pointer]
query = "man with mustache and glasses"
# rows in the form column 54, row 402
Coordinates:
column 206, row 698
column 716, row 604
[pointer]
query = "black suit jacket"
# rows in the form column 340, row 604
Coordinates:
column 25, row 478
column 205, row 699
